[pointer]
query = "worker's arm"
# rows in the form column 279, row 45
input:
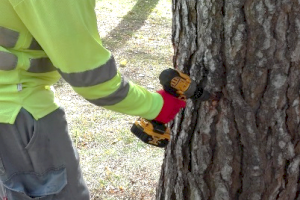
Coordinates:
column 67, row 32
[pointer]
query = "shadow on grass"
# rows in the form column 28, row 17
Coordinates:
column 130, row 23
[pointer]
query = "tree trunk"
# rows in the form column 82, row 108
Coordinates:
column 246, row 144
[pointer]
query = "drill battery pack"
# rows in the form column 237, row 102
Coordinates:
column 151, row 132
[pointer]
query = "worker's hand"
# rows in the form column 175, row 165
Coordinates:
column 171, row 107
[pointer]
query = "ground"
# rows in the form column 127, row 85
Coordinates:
column 117, row 165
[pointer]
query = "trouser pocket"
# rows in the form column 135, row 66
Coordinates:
column 36, row 146
column 30, row 185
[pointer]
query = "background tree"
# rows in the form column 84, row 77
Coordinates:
column 246, row 144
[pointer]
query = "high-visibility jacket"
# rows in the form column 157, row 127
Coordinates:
column 42, row 40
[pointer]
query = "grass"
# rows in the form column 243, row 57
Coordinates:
column 117, row 165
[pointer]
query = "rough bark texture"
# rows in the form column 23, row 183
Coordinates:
column 245, row 145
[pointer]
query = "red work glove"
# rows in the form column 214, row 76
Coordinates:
column 171, row 107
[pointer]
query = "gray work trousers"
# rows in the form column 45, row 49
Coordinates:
column 38, row 160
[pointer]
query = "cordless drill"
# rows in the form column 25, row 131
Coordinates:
column 179, row 85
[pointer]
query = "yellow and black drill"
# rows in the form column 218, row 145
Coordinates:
column 179, row 85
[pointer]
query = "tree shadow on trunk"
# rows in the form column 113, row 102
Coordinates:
column 131, row 23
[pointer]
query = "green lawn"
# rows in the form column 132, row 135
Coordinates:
column 116, row 165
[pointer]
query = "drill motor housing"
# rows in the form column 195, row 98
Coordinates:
column 177, row 84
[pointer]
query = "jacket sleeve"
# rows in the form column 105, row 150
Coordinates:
column 67, row 32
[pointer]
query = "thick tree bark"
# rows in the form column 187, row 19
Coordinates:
column 246, row 144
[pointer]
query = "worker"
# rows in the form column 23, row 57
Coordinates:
column 41, row 41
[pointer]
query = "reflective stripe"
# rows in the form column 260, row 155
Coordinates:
column 115, row 97
column 20, row 87
column 8, row 61
column 41, row 65
column 92, row 77
column 35, row 45
column 8, row 38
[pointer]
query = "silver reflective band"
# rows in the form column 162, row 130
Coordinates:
column 92, row 77
column 115, row 97
column 8, row 61
column 41, row 65
column 34, row 45
column 8, row 38
column 20, row 87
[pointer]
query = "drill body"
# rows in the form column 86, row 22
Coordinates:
column 180, row 86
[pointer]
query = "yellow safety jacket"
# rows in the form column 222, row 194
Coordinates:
column 42, row 40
